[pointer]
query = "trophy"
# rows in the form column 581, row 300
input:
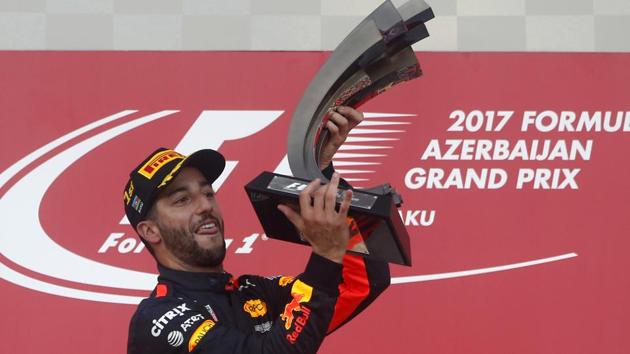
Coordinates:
column 375, row 56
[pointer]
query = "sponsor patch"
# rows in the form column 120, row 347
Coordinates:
column 199, row 333
column 137, row 204
column 255, row 308
column 300, row 293
column 189, row 322
column 156, row 162
column 158, row 325
column 284, row 281
column 211, row 312
column 300, row 322
column 128, row 193
column 175, row 338
column 263, row 327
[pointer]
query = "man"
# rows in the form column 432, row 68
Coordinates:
column 198, row 307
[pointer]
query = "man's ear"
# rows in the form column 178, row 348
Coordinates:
column 149, row 231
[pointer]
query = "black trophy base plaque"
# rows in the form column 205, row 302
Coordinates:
column 376, row 228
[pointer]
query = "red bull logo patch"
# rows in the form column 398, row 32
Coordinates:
column 284, row 281
column 300, row 322
column 300, row 293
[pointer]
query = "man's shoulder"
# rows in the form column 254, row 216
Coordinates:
column 153, row 305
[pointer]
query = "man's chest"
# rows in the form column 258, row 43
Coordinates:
column 247, row 311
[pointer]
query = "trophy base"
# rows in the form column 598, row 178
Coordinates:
column 376, row 228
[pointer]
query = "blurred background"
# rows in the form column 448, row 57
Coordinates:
column 460, row 25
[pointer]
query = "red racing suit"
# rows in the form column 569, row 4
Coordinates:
column 214, row 313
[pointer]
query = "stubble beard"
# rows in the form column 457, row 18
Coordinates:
column 181, row 242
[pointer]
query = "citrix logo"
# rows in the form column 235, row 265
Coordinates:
column 158, row 325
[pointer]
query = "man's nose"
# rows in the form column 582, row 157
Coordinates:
column 203, row 204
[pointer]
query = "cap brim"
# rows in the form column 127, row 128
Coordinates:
column 209, row 162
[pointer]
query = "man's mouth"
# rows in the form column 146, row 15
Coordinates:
column 209, row 228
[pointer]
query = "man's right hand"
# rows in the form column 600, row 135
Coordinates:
column 318, row 222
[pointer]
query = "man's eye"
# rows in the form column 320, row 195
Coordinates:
column 181, row 200
column 210, row 195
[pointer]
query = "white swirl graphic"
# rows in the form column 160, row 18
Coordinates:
column 20, row 209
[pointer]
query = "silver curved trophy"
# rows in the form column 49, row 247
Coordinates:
column 375, row 56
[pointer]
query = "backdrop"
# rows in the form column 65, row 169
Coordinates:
column 513, row 168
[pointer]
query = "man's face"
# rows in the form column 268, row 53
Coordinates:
column 190, row 221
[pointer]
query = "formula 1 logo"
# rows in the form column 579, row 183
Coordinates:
column 20, row 204
column 32, row 175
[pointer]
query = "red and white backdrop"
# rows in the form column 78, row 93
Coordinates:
column 514, row 168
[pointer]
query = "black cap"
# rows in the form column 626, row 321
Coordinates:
column 158, row 170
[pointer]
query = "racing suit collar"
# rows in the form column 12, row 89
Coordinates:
column 201, row 281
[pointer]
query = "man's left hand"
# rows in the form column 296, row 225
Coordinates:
column 341, row 121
